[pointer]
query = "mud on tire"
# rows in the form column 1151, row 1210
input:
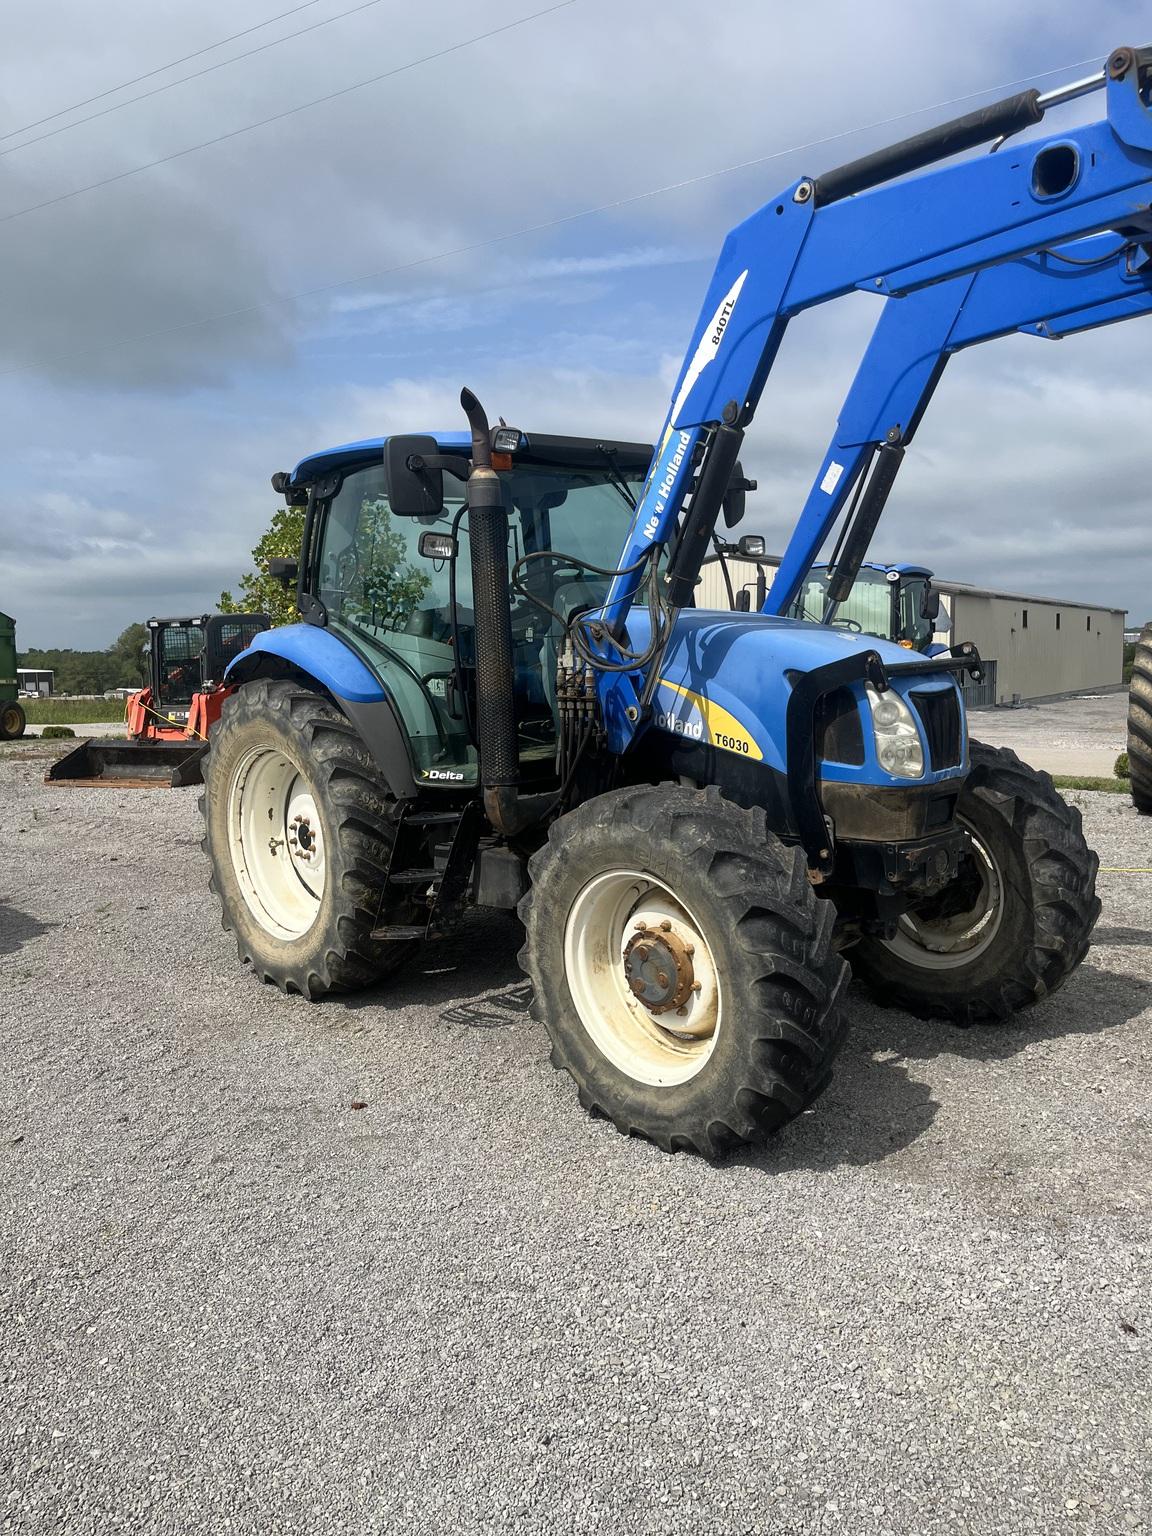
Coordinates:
column 1140, row 724
column 336, row 953
column 769, row 941
column 1046, row 876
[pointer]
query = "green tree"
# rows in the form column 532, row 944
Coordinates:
column 383, row 586
column 129, row 653
column 259, row 592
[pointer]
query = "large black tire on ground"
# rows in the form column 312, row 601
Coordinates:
column 1140, row 723
column 1047, row 876
column 781, row 1020
column 337, row 954
column 12, row 721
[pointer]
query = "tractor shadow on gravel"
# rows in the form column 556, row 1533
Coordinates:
column 876, row 1106
column 473, row 973
column 18, row 928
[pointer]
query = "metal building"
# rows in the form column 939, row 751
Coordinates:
column 1041, row 646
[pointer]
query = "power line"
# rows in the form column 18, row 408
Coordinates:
column 136, row 80
column 209, row 69
column 278, row 117
column 546, row 224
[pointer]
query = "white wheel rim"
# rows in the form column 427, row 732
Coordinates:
column 612, row 917
column 276, row 843
column 956, row 941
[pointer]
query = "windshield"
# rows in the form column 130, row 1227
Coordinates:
column 879, row 604
column 415, row 613
column 180, row 671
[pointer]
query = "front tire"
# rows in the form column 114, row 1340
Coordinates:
column 1140, row 724
column 298, row 833
column 683, row 967
column 1017, row 921
column 12, row 721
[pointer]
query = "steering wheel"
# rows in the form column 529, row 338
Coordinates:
column 849, row 624
column 347, row 567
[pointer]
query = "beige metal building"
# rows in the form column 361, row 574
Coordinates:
column 1042, row 646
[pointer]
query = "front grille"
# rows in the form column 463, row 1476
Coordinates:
column 939, row 713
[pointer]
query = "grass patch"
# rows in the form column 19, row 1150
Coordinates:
column 1082, row 781
column 72, row 711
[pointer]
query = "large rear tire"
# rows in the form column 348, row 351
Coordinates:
column 1140, row 724
column 683, row 967
column 12, row 721
column 1017, row 921
column 298, row 833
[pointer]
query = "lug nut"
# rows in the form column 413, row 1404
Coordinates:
column 665, row 926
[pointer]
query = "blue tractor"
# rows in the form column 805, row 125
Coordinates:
column 501, row 693
column 892, row 602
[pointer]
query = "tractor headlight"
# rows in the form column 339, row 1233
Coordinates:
column 898, row 748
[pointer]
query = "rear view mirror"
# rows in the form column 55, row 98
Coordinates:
column 751, row 546
column 930, row 606
column 733, row 503
column 414, row 488
column 285, row 569
column 437, row 546
column 743, row 600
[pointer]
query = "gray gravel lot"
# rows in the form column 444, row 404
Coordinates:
column 233, row 1302
column 1076, row 736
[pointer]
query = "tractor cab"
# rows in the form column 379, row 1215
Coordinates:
column 397, row 587
column 892, row 602
column 188, row 656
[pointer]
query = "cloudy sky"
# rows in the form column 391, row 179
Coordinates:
column 154, row 373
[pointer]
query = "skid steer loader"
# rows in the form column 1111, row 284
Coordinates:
column 168, row 720
column 702, row 817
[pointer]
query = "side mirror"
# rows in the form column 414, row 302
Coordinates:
column 285, row 569
column 733, row 503
column 751, row 546
column 414, row 489
column 437, row 546
column 743, row 601
column 930, row 605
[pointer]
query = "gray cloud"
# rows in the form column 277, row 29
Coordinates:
column 137, row 473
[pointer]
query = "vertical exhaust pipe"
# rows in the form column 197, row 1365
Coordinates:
column 495, row 706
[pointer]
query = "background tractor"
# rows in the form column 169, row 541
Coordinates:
column 168, row 721
column 700, row 816
column 12, row 721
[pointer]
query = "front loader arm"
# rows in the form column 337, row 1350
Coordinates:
column 1078, row 287
column 816, row 242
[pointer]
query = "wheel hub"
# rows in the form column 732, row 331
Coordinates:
column 302, row 839
column 658, row 967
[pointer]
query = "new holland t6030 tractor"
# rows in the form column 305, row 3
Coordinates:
column 501, row 694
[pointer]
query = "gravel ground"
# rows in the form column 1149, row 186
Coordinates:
column 235, row 1300
column 1073, row 736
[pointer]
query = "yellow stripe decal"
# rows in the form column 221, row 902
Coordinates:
column 723, row 729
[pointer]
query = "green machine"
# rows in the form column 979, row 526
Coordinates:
column 12, row 721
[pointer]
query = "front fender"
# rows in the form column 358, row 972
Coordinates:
column 320, row 661
column 316, row 652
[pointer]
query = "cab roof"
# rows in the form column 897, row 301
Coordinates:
column 540, row 448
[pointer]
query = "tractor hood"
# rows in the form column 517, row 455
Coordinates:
column 722, row 673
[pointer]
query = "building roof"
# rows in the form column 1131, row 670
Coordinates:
column 952, row 588
column 965, row 589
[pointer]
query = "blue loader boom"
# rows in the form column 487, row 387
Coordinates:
column 501, row 692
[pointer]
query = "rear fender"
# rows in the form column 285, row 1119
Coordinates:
column 317, row 659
